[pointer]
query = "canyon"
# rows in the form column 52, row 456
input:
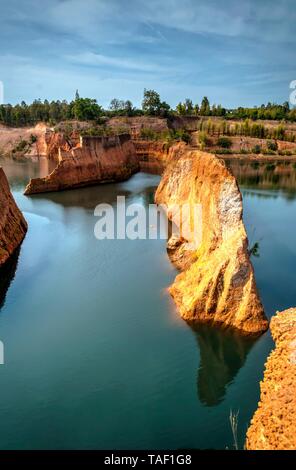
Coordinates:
column 13, row 226
column 273, row 425
column 217, row 282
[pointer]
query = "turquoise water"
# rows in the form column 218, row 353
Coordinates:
column 96, row 356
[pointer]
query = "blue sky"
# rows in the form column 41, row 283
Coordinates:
column 235, row 52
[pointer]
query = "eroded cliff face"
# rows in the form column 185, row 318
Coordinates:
column 13, row 226
column 154, row 156
column 94, row 160
column 273, row 426
column 217, row 282
column 24, row 141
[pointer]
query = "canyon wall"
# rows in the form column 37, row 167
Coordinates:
column 154, row 156
column 13, row 226
column 24, row 141
column 95, row 160
column 273, row 426
column 135, row 125
column 217, row 282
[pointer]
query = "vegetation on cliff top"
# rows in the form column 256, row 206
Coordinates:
column 88, row 109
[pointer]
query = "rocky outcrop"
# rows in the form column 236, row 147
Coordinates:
column 13, row 226
column 24, row 141
column 273, row 426
column 217, row 282
column 56, row 141
column 95, row 160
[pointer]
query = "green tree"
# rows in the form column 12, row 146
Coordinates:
column 152, row 105
column 224, row 142
column 86, row 109
column 205, row 109
column 189, row 106
column 180, row 108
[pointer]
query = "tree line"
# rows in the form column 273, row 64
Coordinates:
column 87, row 109
column 247, row 128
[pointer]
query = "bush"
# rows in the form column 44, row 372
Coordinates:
column 268, row 152
column 204, row 140
column 33, row 138
column 20, row 146
column 224, row 142
column 272, row 145
column 182, row 135
column 285, row 153
column 256, row 149
column 148, row 134
column 223, row 152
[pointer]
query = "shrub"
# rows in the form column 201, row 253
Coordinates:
column 223, row 151
column 256, row 149
column 20, row 146
column 148, row 134
column 272, row 145
column 286, row 153
column 224, row 142
column 183, row 135
column 204, row 140
column 268, row 152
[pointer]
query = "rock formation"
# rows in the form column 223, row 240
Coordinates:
column 24, row 141
column 154, row 156
column 94, row 160
column 217, row 282
column 273, row 426
column 13, row 226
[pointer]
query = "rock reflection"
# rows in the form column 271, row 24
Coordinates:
column 268, row 175
column 7, row 274
column 222, row 354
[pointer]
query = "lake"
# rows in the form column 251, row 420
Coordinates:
column 96, row 355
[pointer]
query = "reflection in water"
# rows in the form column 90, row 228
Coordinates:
column 222, row 354
column 89, row 197
column 20, row 171
column 265, row 175
column 7, row 274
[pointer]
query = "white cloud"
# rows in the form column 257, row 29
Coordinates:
column 89, row 58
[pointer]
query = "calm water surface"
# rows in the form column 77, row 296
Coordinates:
column 96, row 355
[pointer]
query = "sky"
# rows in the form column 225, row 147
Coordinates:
column 238, row 53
